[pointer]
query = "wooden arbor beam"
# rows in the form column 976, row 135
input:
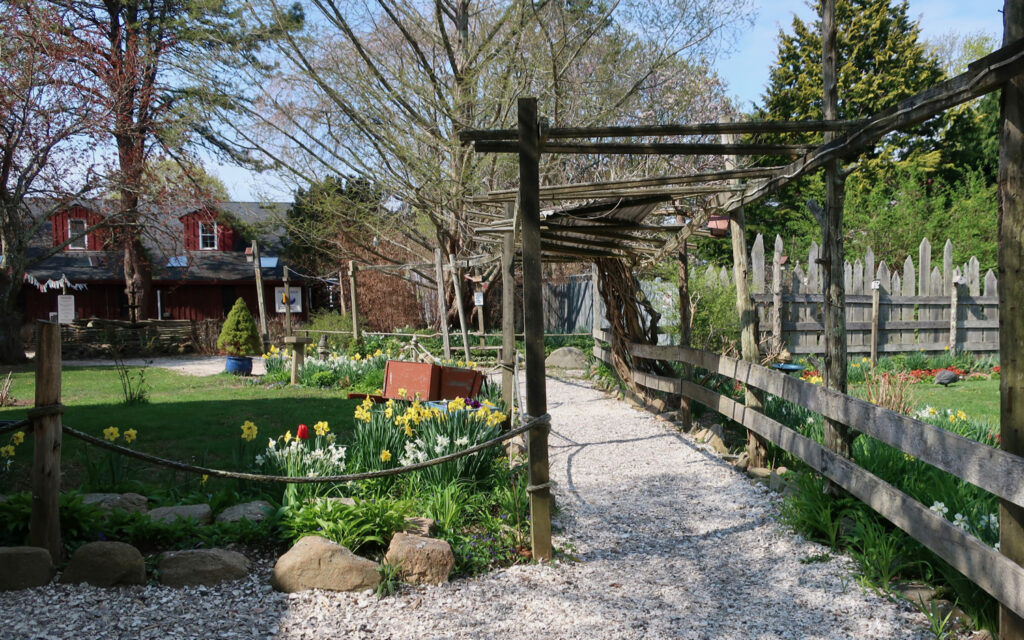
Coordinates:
column 698, row 129
column 652, row 148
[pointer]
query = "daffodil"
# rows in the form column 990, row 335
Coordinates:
column 321, row 428
column 385, row 455
column 130, row 435
column 961, row 415
column 287, row 436
column 457, row 404
column 18, row 437
column 205, row 478
column 402, row 391
column 7, row 451
column 376, row 354
column 249, row 431
column 111, row 433
column 357, row 357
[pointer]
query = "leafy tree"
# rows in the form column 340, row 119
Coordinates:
column 149, row 60
column 881, row 61
column 46, row 121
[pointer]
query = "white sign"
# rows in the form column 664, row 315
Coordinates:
column 478, row 298
column 65, row 309
column 876, row 284
column 296, row 299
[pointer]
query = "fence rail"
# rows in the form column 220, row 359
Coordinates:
column 991, row 469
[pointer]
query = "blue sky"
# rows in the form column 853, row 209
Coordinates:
column 745, row 71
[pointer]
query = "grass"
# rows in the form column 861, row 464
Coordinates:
column 186, row 418
column 978, row 398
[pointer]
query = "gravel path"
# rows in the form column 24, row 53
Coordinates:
column 671, row 544
column 188, row 365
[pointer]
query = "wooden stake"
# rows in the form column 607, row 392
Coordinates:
column 44, row 525
column 536, row 391
column 261, row 303
column 352, row 268
column 838, row 437
column 777, row 341
column 343, row 306
column 508, row 311
column 596, row 300
column 1011, row 301
column 442, row 308
column 953, row 300
column 458, row 302
column 287, row 304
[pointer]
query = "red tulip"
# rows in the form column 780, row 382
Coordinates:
column 302, row 433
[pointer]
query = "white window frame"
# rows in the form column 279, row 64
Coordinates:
column 208, row 230
column 81, row 242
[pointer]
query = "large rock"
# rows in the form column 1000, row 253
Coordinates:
column 421, row 560
column 318, row 563
column 201, row 513
column 254, row 511
column 24, row 568
column 106, row 564
column 131, row 502
column 567, row 358
column 419, row 526
column 201, row 567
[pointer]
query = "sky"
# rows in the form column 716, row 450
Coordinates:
column 745, row 71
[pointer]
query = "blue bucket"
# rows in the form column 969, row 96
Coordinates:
column 239, row 365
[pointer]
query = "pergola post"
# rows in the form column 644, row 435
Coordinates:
column 508, row 310
column 536, row 391
column 682, row 258
column 457, row 280
column 838, row 437
column 757, row 448
column 261, row 303
column 352, row 269
column 1011, row 293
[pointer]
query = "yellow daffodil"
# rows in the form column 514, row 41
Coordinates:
column 111, row 433
column 459, row 363
column 205, row 478
column 932, row 411
column 7, row 451
column 18, row 437
column 287, row 436
column 402, row 392
column 357, row 357
column 249, row 431
column 376, row 354
column 321, row 428
column 961, row 415
column 457, row 404
column 952, row 418
column 385, row 455
column 408, row 429
column 130, row 435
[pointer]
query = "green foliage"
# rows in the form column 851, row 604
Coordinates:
column 239, row 335
column 882, row 552
column 79, row 522
column 813, row 512
column 389, row 580
column 364, row 527
column 332, row 321
column 715, row 324
column 134, row 387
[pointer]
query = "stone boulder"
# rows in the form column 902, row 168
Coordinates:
column 253, row 511
column 421, row 560
column 417, row 526
column 318, row 563
column 201, row 513
column 567, row 358
column 130, row 502
column 201, row 567
column 24, row 568
column 106, row 564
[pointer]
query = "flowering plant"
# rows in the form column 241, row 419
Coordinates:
column 303, row 457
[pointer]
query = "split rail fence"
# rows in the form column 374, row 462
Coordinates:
column 918, row 307
column 991, row 469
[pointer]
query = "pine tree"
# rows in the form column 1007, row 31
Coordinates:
column 239, row 336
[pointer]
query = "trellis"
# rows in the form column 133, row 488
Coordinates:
column 614, row 228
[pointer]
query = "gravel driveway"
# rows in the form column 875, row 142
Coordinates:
column 189, row 365
column 671, row 543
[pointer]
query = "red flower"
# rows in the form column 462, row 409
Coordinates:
column 302, row 433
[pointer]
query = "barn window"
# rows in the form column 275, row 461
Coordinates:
column 76, row 231
column 207, row 235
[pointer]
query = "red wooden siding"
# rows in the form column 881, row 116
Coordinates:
column 226, row 236
column 59, row 221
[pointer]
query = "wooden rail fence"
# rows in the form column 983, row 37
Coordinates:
column 991, row 469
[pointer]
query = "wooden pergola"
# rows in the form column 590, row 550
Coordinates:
column 621, row 221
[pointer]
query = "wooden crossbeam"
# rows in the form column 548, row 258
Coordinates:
column 653, row 148
column 703, row 128
column 675, row 191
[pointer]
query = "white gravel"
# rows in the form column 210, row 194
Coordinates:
column 188, row 365
column 671, row 543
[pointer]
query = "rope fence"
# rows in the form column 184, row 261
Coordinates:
column 532, row 423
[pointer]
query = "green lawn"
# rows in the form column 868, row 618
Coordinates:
column 187, row 418
column 978, row 398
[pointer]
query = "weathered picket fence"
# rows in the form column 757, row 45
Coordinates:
column 922, row 307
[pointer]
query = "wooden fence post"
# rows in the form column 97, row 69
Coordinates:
column 953, row 299
column 777, row 342
column 352, row 268
column 682, row 259
column 287, row 304
column 536, row 389
column 261, row 303
column 508, row 313
column 442, row 308
column 1011, row 293
column 458, row 302
column 44, row 526
column 875, row 300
